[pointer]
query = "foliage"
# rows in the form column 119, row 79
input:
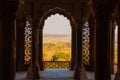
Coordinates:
column 58, row 46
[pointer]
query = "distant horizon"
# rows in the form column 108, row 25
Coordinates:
column 55, row 34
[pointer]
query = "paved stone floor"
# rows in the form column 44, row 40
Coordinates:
column 55, row 74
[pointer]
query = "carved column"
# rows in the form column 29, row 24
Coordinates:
column 103, row 46
column 33, row 71
column 20, row 62
column 73, row 49
column 92, row 49
column 35, row 50
column 41, row 49
column 79, row 72
column 8, row 46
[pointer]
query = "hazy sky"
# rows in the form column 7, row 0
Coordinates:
column 116, row 33
column 57, row 24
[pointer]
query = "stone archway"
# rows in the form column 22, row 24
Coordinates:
column 72, row 23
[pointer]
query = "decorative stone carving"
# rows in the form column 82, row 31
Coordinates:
column 59, row 11
column 28, row 43
column 85, row 43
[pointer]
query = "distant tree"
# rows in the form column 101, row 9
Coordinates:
column 62, row 56
column 54, row 58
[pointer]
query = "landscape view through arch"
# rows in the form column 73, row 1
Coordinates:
column 57, row 39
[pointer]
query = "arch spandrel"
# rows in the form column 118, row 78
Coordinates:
column 36, row 10
column 116, row 13
column 28, row 8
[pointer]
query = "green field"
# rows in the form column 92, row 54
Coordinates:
column 116, row 52
column 57, row 47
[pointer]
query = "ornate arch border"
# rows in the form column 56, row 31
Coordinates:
column 55, row 11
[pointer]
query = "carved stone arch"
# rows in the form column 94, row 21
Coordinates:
column 73, row 31
column 59, row 11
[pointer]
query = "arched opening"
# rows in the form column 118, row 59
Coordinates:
column 57, row 42
column 115, row 49
column 61, row 70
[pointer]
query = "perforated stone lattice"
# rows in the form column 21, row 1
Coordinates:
column 85, row 43
column 28, row 41
column 56, row 64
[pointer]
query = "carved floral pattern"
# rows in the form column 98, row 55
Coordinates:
column 85, row 43
column 28, row 41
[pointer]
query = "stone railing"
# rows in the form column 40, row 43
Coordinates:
column 57, row 64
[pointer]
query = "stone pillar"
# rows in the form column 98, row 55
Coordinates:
column 33, row 71
column 8, row 36
column 92, row 44
column 103, row 46
column 35, row 50
column 20, row 61
column 79, row 71
column 41, row 49
column 1, row 60
column 73, row 49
